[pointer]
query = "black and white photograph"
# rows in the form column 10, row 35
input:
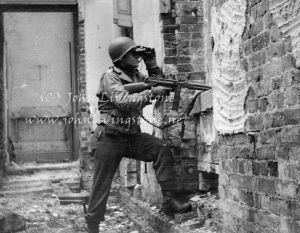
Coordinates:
column 150, row 116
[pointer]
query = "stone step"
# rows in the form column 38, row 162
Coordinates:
column 45, row 189
column 67, row 198
column 71, row 182
column 30, row 168
column 37, row 178
column 43, row 178
column 25, row 185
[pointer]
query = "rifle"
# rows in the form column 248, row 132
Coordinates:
column 176, row 86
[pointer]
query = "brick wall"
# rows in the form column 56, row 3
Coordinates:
column 259, row 170
column 83, row 106
column 2, row 128
column 83, row 130
column 184, row 58
column 2, row 116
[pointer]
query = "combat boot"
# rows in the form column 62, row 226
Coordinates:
column 93, row 226
column 171, row 206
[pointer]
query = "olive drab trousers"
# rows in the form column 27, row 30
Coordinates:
column 109, row 151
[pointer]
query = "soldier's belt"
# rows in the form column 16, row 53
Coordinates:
column 114, row 130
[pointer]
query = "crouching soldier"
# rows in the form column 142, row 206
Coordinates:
column 116, row 136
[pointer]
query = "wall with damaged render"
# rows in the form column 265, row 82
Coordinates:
column 259, row 169
column 230, row 87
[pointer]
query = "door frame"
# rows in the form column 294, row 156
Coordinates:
column 73, row 8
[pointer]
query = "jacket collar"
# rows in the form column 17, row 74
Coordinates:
column 123, row 75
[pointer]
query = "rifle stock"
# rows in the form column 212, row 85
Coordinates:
column 136, row 87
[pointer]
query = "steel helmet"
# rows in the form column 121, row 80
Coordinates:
column 119, row 47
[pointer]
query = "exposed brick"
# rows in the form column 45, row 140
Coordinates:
column 292, row 116
column 296, row 78
column 183, row 43
column 197, row 76
column 288, row 44
column 294, row 171
column 268, row 220
column 188, row 20
column 265, row 153
column 247, row 197
column 252, row 105
column 266, row 186
column 280, row 100
column 263, row 88
column 183, row 36
column 287, row 225
column 170, row 44
column 183, row 59
column 279, row 119
column 170, row 28
column 261, row 41
column 255, row 168
column 287, row 189
column 292, row 96
column 248, row 47
column 254, row 123
column 276, row 50
column 249, row 183
column 182, row 76
column 273, row 69
column 235, row 165
column 196, row 43
column 236, row 180
column 271, row 204
column 263, row 104
column 184, row 51
column 275, row 34
column 197, row 35
column 257, row 59
column 268, row 20
column 169, row 36
column 170, row 60
column 251, row 91
column 244, row 64
column 256, row 28
column 282, row 150
column 184, row 28
column 167, row 19
column 276, row 83
column 273, row 168
column 185, row 68
column 241, row 166
column 255, row 75
column 288, row 62
column 170, row 52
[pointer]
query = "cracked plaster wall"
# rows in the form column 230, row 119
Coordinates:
column 228, row 78
column 286, row 14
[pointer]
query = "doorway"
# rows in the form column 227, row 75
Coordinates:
column 39, row 69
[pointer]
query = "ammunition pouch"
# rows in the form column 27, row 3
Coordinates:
column 117, row 125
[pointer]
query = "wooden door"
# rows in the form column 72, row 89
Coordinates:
column 39, row 68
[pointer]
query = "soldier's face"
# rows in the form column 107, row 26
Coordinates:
column 130, row 60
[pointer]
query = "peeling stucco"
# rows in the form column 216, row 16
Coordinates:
column 228, row 77
column 286, row 14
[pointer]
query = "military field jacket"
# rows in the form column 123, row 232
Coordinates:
column 115, row 102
